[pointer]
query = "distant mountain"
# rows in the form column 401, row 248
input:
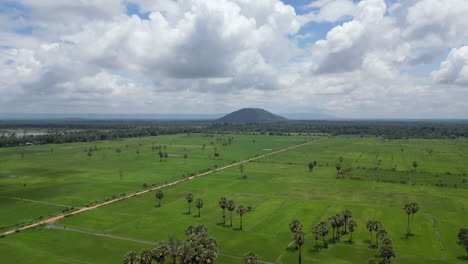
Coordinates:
column 309, row 116
column 251, row 115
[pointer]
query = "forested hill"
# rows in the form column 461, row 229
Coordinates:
column 251, row 115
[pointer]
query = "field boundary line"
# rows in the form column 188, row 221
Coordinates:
column 35, row 201
column 58, row 227
column 84, row 209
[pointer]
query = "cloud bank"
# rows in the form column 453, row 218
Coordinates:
column 375, row 58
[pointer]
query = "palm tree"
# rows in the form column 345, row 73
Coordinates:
column 463, row 239
column 174, row 245
column 408, row 211
column 370, row 227
column 131, row 258
column 315, row 230
column 352, row 226
column 159, row 195
column 324, row 229
column 241, row 211
column 415, row 164
column 414, row 209
column 376, row 227
column 295, row 226
column 311, row 166
column 250, row 258
column 299, row 237
column 146, row 256
column 387, row 252
column 231, row 206
column 333, row 222
column 189, row 198
column 381, row 234
column 160, row 252
column 223, row 205
column 199, row 204
column 346, row 215
column 241, row 167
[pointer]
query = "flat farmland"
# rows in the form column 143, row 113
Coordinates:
column 377, row 179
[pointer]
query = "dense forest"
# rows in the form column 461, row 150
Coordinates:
column 15, row 133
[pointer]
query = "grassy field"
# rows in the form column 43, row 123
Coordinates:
column 378, row 179
column 65, row 174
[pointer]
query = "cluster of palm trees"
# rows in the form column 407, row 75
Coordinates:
column 224, row 204
column 338, row 222
column 198, row 248
column 386, row 249
column 410, row 209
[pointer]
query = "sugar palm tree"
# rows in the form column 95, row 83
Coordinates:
column 414, row 209
column 159, row 195
column 223, row 205
column 299, row 238
column 146, row 256
column 131, row 258
column 189, row 198
column 333, row 222
column 174, row 245
column 370, row 227
column 346, row 215
column 231, row 206
column 241, row 211
column 160, row 252
column 250, row 258
column 463, row 239
column 295, row 226
column 387, row 252
column 352, row 226
column 199, row 204
column 324, row 229
column 315, row 230
column 376, row 227
column 381, row 234
column 408, row 211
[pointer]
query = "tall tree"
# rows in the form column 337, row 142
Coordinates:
column 408, row 211
column 250, row 258
column 346, row 215
column 414, row 209
column 231, row 206
column 311, row 166
column 160, row 252
column 199, row 205
column 315, row 230
column 370, row 227
column 295, row 226
column 381, row 235
column 376, row 227
column 415, row 164
column 223, row 204
column 463, row 239
column 241, row 168
column 174, row 245
column 159, row 196
column 131, row 258
column 299, row 238
column 324, row 229
column 352, row 226
column 333, row 222
column 189, row 198
column 241, row 211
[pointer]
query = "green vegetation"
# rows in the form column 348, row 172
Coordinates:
column 346, row 215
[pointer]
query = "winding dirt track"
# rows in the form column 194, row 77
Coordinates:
column 84, row 209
